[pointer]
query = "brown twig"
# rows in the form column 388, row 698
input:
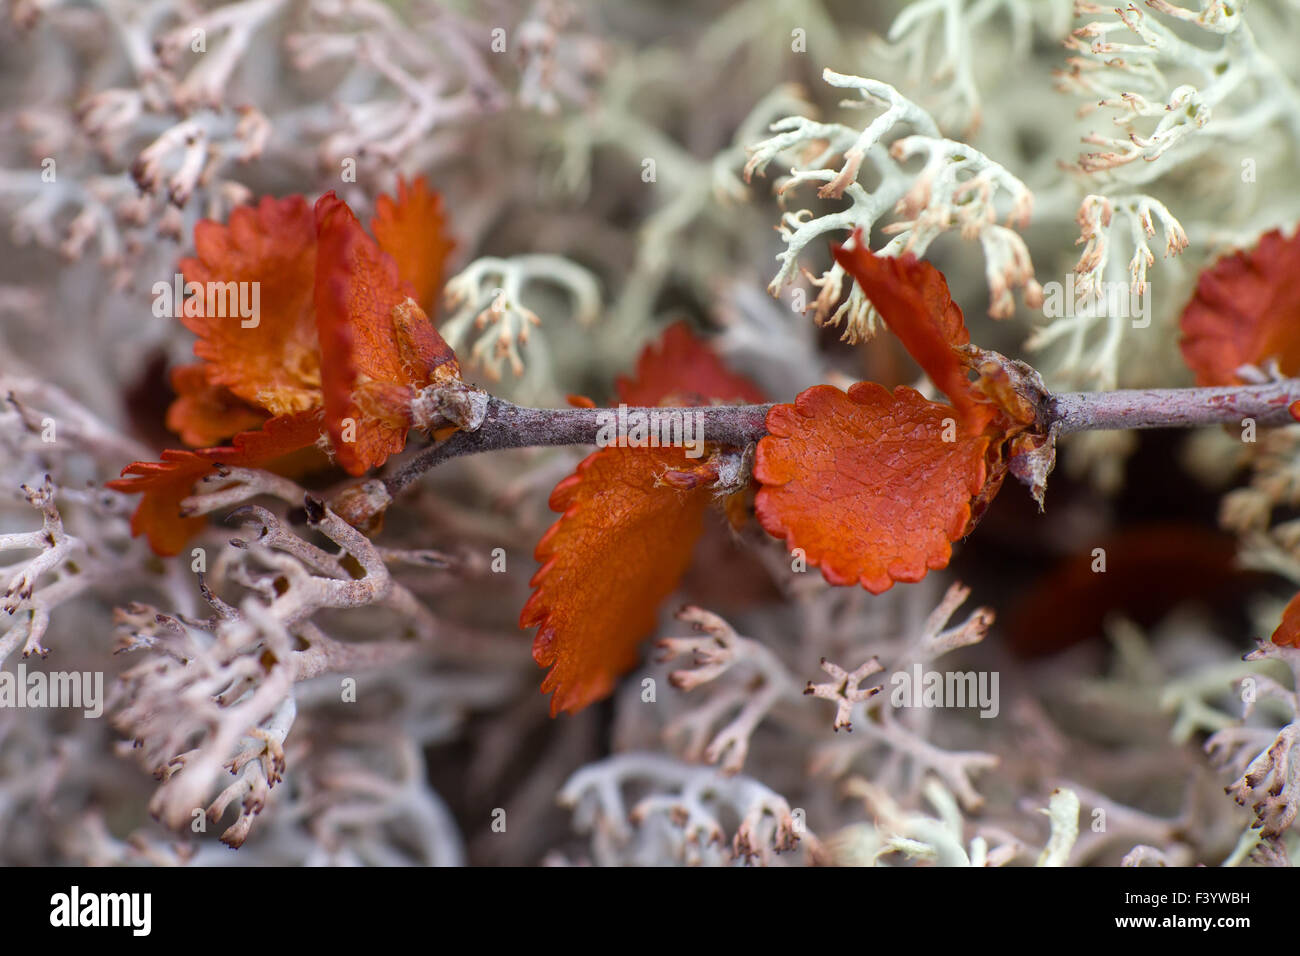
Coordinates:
column 507, row 425
column 1174, row 407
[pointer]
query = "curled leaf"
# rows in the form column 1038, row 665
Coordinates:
column 332, row 338
column 377, row 345
column 264, row 256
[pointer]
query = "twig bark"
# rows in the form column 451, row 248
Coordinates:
column 507, row 425
column 1174, row 407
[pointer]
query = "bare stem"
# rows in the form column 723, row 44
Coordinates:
column 1174, row 407
column 507, row 425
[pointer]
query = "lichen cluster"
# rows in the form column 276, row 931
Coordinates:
column 309, row 694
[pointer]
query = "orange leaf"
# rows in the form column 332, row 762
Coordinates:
column 1288, row 632
column 682, row 370
column 865, row 484
column 205, row 414
column 167, row 483
column 377, row 345
column 1246, row 310
column 413, row 230
column 336, row 326
column 912, row 297
column 630, row 519
column 621, row 545
column 269, row 250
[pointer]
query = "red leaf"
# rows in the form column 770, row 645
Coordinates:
column 205, row 414
column 271, row 249
column 413, row 230
column 168, row 482
column 377, row 345
column 621, row 545
column 338, row 328
column 1288, row 632
column 320, row 279
column 865, row 484
column 630, row 519
column 1246, row 310
column 912, row 297
column 682, row 370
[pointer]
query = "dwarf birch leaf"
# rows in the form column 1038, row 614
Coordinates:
column 682, row 370
column 268, row 359
column 866, row 484
column 621, row 545
column 337, row 326
column 413, row 230
column 168, row 482
column 1246, row 311
column 630, row 518
column 377, row 345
